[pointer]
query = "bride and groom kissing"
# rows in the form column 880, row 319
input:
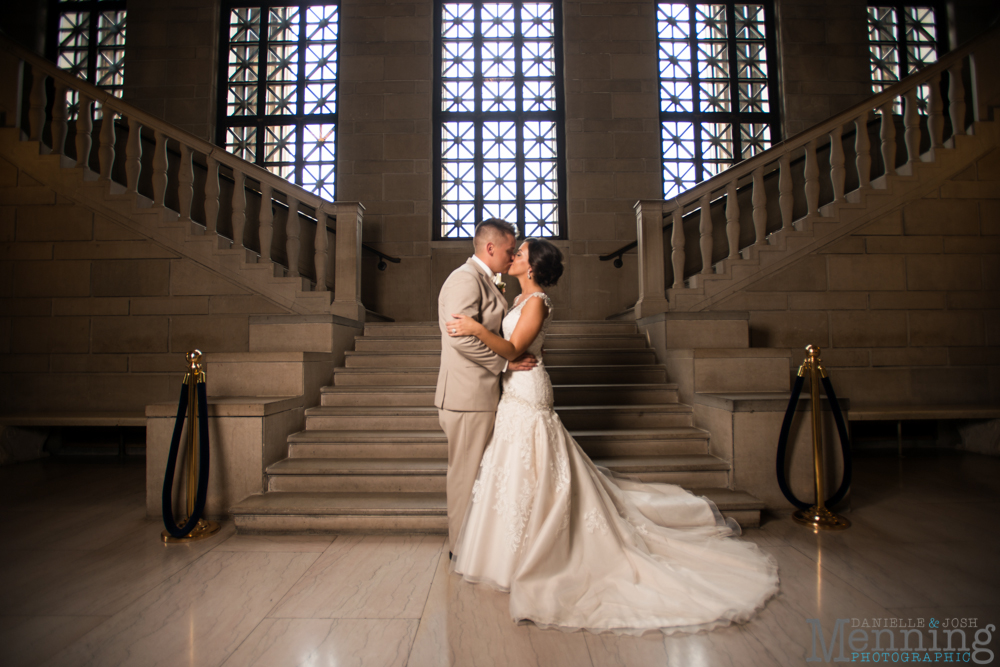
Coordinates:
column 529, row 513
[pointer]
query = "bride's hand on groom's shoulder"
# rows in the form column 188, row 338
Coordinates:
column 525, row 362
column 463, row 325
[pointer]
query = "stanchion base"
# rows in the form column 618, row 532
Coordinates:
column 201, row 530
column 820, row 518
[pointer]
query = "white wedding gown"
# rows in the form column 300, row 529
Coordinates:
column 577, row 548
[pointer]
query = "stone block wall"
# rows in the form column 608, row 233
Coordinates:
column 906, row 309
column 95, row 316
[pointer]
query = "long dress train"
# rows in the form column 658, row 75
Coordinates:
column 580, row 549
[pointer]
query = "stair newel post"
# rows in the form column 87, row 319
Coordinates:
column 838, row 173
column 185, row 184
column 106, row 151
column 911, row 121
column 84, row 126
column 705, row 233
column 956, row 99
column 786, row 197
column 759, row 200
column 293, row 227
column 239, row 207
column 732, row 220
column 347, row 279
column 159, row 168
column 211, row 194
column 677, row 254
column 321, row 245
column 266, row 226
column 935, row 113
column 862, row 147
column 652, row 270
column 887, row 133
column 812, row 180
column 133, row 154
column 59, row 116
column 36, row 104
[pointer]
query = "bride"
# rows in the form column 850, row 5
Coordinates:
column 575, row 547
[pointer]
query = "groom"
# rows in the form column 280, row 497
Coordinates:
column 468, row 388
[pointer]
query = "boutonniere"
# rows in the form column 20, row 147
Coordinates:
column 501, row 285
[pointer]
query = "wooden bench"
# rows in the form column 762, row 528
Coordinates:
column 901, row 413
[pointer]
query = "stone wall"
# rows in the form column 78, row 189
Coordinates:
column 906, row 309
column 95, row 316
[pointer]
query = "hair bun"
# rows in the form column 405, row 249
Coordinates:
column 545, row 260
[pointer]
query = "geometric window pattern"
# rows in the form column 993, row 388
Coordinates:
column 280, row 91
column 716, row 83
column 90, row 39
column 498, row 116
column 903, row 39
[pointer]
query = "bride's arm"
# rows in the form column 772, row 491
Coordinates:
column 530, row 323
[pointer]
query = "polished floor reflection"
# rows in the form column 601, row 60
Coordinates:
column 85, row 580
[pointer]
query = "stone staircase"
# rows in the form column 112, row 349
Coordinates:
column 373, row 457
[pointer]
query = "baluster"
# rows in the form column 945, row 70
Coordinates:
column 837, row 171
column 677, row 247
column 185, row 184
column 812, row 180
column 36, row 100
column 59, row 116
column 322, row 250
column 786, row 198
column 266, row 228
column 956, row 99
column 84, row 126
column 106, row 152
column 935, row 113
column 211, row 194
column 759, row 200
column 732, row 220
column 133, row 154
column 887, row 133
column 911, row 121
column 159, row 168
column 239, row 207
column 705, row 233
column 862, row 146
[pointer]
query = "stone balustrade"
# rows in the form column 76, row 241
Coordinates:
column 183, row 165
column 699, row 233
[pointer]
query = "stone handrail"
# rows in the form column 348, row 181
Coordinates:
column 654, row 217
column 346, row 300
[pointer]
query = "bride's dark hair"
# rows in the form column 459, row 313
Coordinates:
column 545, row 261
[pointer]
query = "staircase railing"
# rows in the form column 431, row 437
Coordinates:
column 183, row 164
column 792, row 168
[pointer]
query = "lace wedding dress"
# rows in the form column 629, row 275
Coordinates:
column 577, row 548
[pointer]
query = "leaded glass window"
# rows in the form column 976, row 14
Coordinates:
column 717, row 79
column 499, row 116
column 89, row 38
column 278, row 95
column 902, row 39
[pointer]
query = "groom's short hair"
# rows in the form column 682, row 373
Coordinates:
column 492, row 228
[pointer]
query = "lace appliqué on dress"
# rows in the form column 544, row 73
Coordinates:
column 595, row 521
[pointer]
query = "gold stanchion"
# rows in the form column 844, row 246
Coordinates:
column 818, row 517
column 203, row 528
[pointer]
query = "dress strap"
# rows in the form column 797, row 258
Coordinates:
column 541, row 295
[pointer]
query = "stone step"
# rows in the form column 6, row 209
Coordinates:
column 425, row 377
column 420, row 475
column 566, row 327
column 552, row 342
column 302, row 513
column 426, row 419
column 432, row 444
column 552, row 358
column 593, row 394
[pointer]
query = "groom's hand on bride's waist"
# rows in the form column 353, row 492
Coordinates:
column 524, row 363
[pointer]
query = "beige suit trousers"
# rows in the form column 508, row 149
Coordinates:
column 468, row 434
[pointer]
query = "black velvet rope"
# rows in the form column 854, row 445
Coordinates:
column 168, row 481
column 845, row 444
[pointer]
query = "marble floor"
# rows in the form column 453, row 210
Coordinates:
column 85, row 580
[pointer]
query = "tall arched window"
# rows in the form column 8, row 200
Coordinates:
column 498, row 118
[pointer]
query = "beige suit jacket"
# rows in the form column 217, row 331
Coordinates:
column 468, row 380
